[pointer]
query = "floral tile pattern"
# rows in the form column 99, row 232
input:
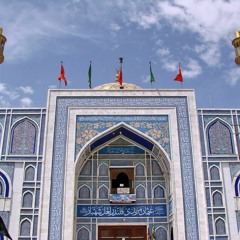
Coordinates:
column 156, row 127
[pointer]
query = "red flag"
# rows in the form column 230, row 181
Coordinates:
column 179, row 76
column 120, row 76
column 62, row 75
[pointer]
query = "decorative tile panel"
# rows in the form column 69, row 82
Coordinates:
column 156, row 127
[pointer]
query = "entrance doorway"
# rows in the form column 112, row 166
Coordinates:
column 122, row 232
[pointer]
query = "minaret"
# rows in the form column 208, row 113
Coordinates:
column 236, row 44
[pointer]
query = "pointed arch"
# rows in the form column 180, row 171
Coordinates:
column 5, row 184
column 29, row 173
column 140, row 191
column 219, row 137
column 103, row 169
column 158, row 191
column 103, row 192
column 214, row 173
column 217, row 199
column 27, row 201
column 84, row 192
column 23, row 140
column 140, row 170
column 161, row 233
column 220, row 226
column 236, row 182
column 25, row 227
column 83, row 233
column 130, row 134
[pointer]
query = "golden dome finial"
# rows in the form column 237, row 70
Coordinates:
column 236, row 44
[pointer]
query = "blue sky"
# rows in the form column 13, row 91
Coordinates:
column 198, row 33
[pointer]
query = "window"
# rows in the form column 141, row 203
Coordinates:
column 122, row 178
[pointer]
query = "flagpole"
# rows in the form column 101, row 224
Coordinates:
column 59, row 86
column 150, row 73
column 120, row 72
column 152, row 79
column 90, row 75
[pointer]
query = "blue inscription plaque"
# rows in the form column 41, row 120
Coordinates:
column 121, row 150
column 122, row 211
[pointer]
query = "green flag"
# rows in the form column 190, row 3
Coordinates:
column 90, row 76
column 152, row 79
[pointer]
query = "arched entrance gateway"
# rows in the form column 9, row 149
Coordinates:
column 122, row 187
column 107, row 168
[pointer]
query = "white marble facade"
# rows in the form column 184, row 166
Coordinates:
column 56, row 178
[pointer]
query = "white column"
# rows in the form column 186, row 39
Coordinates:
column 16, row 200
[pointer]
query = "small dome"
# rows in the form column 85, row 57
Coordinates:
column 116, row 86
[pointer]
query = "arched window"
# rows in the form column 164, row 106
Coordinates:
column 140, row 170
column 2, row 188
column 27, row 200
column 219, row 138
column 214, row 173
column 83, row 234
column 29, row 173
column 217, row 199
column 220, row 227
column 103, row 192
column 103, row 169
column 24, row 137
column 25, row 228
column 4, row 185
column 158, row 192
column 237, row 186
column 140, row 192
column 84, row 192
column 161, row 233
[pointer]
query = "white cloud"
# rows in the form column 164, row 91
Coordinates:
column 3, row 102
column 115, row 27
column 163, row 52
column 233, row 76
column 27, row 90
column 193, row 69
column 11, row 94
column 8, row 96
column 26, row 102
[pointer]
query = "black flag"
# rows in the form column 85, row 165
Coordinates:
column 3, row 229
